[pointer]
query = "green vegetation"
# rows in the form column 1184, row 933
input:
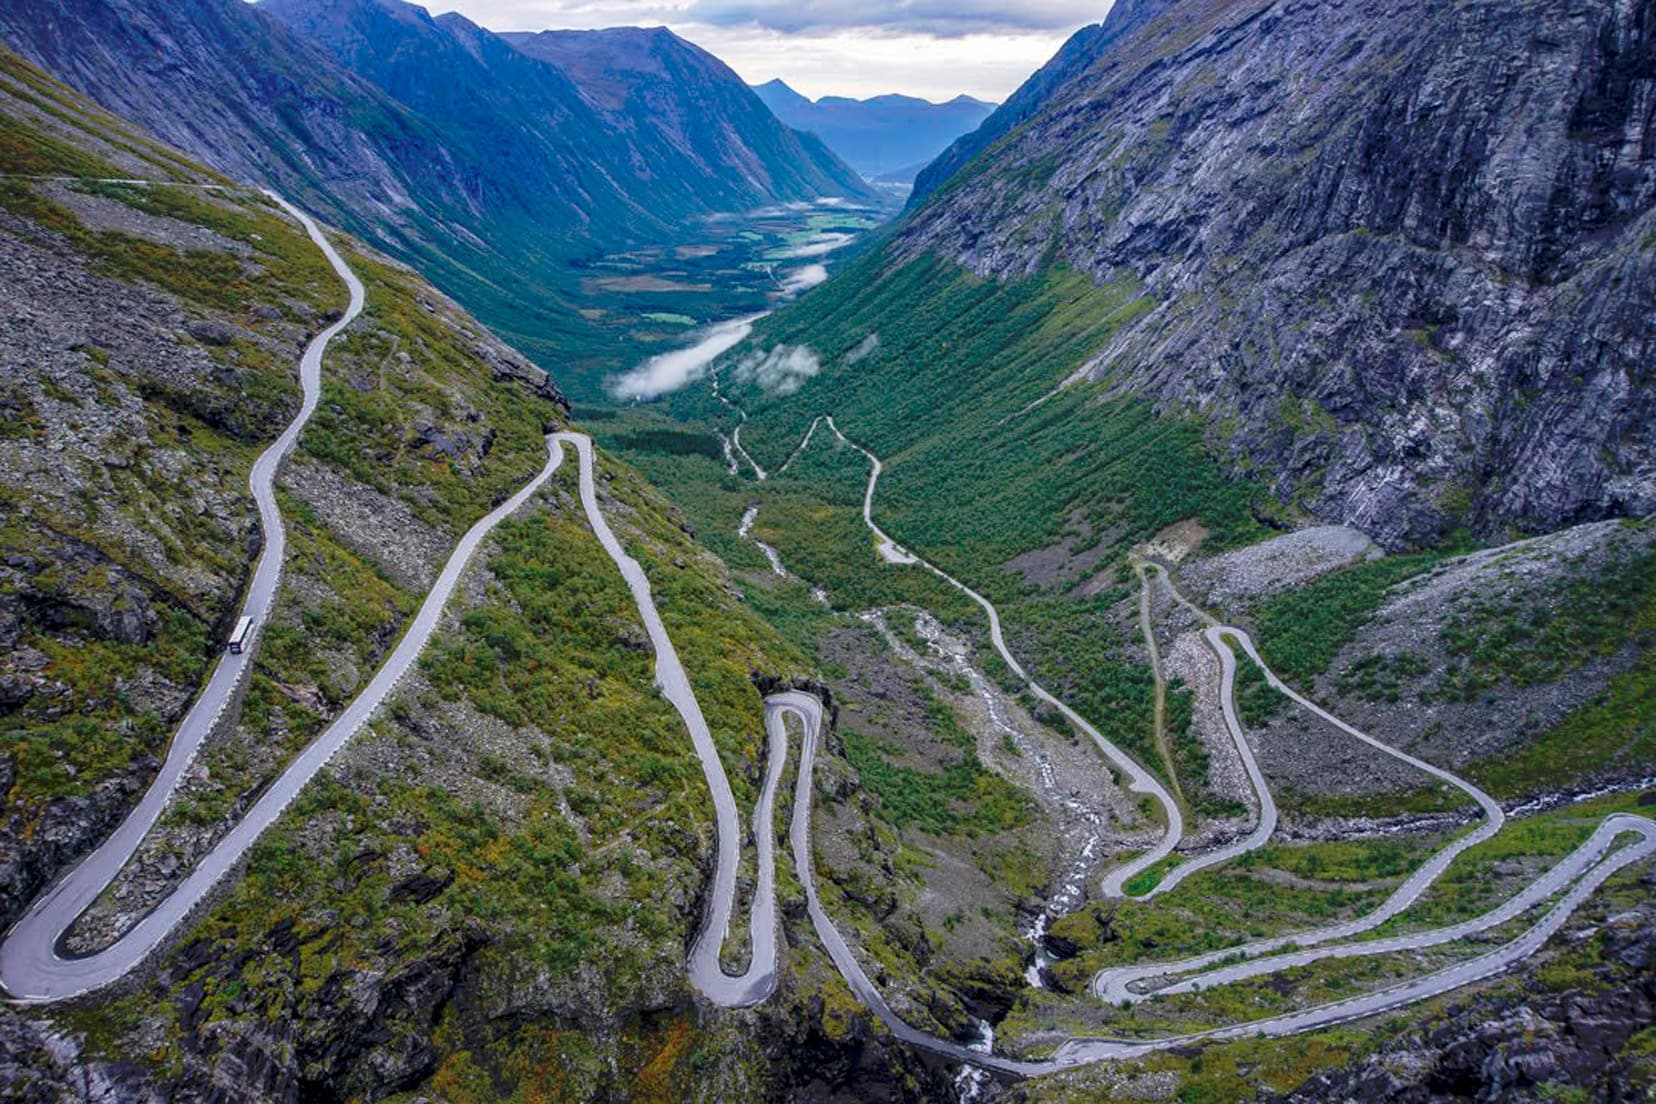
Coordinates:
column 956, row 356
column 26, row 148
column 339, row 611
column 963, row 798
column 25, row 151
column 671, row 442
column 813, row 516
column 205, row 277
column 970, row 480
column 1300, row 631
column 535, row 888
column 1429, row 797
column 1339, row 860
column 1483, row 876
column 960, row 798
column 437, row 422
column 590, row 318
column 1081, row 642
column 1150, row 877
column 511, row 659
column 1258, row 703
column 1219, row 907
column 1616, row 729
column 1381, row 676
column 129, row 539
column 1191, row 759
column 1265, row 893
column 1539, row 635
column 548, row 793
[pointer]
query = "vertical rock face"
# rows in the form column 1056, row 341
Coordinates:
column 227, row 84
column 1403, row 251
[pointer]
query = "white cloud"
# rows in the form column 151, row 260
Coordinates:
column 922, row 48
column 945, row 18
column 782, row 371
column 820, row 246
column 865, row 348
column 671, row 371
column 803, row 278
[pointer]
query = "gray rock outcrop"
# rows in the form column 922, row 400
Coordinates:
column 1403, row 254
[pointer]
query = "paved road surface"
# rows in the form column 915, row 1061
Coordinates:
column 1581, row 873
column 1140, row 781
column 31, row 970
column 30, row 967
column 1121, row 983
column 759, row 979
column 1576, row 877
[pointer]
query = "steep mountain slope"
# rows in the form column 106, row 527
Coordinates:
column 221, row 80
column 491, row 888
column 1398, row 257
column 680, row 103
column 155, row 336
column 883, row 136
column 488, row 894
column 493, row 193
column 539, row 146
column 1072, row 58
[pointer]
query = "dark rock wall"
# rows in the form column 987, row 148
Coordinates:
column 1403, row 252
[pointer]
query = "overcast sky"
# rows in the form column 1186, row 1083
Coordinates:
column 930, row 48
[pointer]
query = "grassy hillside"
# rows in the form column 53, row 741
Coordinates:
column 158, row 356
column 1031, row 494
column 491, row 890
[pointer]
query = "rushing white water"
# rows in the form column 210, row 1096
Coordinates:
column 1070, row 890
column 969, row 1082
column 745, row 530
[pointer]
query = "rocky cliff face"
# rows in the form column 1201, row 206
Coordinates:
column 1404, row 253
column 1512, row 1047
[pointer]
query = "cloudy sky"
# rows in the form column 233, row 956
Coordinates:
column 930, row 48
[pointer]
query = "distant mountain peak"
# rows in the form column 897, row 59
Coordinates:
column 438, row 140
column 888, row 136
column 779, row 88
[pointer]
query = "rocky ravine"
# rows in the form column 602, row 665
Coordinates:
column 1404, row 253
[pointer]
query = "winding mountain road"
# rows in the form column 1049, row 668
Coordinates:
column 1579, row 875
column 1140, row 781
column 1114, row 985
column 758, row 981
column 1572, row 880
column 31, row 969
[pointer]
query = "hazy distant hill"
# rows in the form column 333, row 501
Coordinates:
column 888, row 136
column 488, row 169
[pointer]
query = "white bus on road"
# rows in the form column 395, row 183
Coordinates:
column 239, row 638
